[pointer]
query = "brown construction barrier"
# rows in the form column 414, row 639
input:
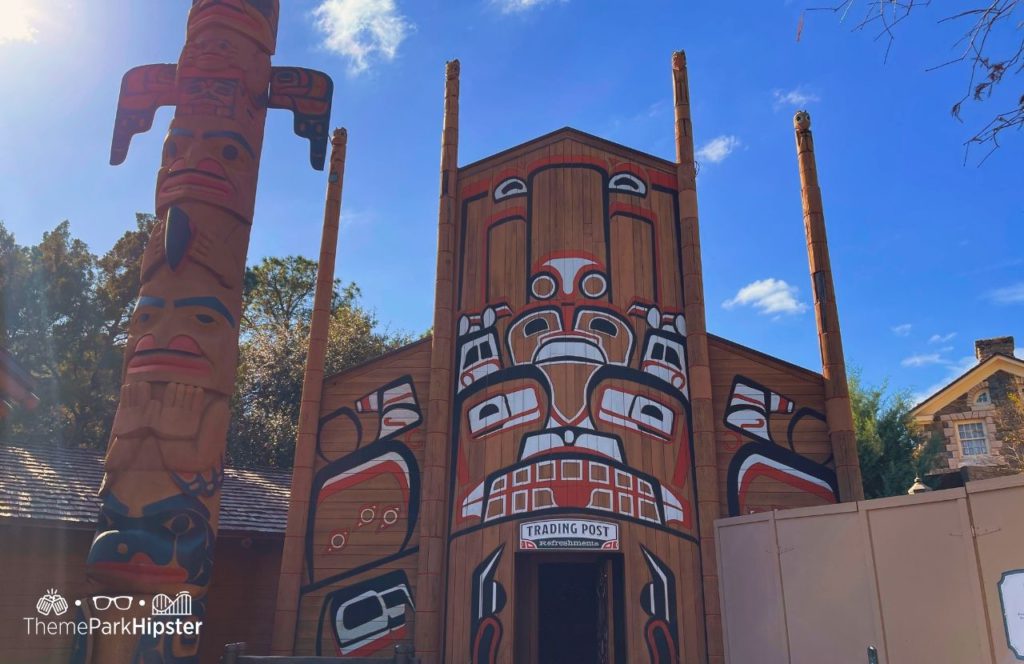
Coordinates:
column 936, row 577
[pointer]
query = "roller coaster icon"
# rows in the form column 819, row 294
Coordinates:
column 181, row 605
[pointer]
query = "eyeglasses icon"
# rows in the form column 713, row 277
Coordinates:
column 103, row 602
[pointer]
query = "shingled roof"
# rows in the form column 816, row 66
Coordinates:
column 59, row 485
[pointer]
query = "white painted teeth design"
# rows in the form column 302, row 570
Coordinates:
column 473, row 504
column 602, row 444
column 570, row 350
column 541, row 442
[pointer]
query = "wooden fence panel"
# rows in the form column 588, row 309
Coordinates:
column 756, row 629
column 997, row 509
column 825, row 557
column 936, row 578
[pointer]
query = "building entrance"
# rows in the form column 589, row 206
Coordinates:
column 566, row 609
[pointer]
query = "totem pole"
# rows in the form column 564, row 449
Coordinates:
column 164, row 464
column 826, row 315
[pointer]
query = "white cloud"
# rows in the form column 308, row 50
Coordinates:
column 768, row 296
column 922, row 360
column 902, row 330
column 953, row 370
column 517, row 6
column 1018, row 353
column 361, row 30
column 941, row 338
column 718, row 148
column 1008, row 295
column 18, row 20
column 795, row 97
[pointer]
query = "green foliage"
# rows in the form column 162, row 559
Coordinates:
column 892, row 450
column 279, row 305
column 1010, row 426
column 64, row 315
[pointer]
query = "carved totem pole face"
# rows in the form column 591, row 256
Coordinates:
column 571, row 376
column 208, row 159
column 161, row 490
column 184, row 337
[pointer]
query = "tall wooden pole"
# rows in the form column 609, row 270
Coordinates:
column 289, row 580
column 430, row 583
column 826, row 315
column 164, row 464
column 698, row 362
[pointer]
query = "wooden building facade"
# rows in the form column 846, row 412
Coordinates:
column 537, row 481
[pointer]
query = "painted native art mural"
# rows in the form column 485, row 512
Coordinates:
column 763, row 463
column 361, row 527
column 571, row 376
column 164, row 464
column 553, row 418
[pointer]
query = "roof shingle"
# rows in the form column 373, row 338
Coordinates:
column 56, row 484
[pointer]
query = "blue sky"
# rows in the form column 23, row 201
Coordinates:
column 926, row 250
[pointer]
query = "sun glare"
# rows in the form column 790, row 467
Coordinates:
column 18, row 20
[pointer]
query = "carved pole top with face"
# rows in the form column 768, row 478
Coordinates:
column 163, row 470
column 802, row 121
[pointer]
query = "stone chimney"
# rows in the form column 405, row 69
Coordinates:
column 986, row 348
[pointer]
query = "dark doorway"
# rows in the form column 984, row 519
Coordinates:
column 569, row 609
column 567, row 620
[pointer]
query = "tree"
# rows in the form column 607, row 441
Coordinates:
column 892, row 451
column 64, row 314
column 272, row 355
column 991, row 46
column 1010, row 425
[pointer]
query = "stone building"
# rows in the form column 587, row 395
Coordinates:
column 966, row 411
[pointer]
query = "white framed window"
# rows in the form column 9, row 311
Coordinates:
column 982, row 398
column 972, row 438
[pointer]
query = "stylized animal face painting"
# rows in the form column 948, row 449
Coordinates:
column 167, row 547
column 217, row 67
column 571, row 381
column 766, row 466
column 367, row 616
column 176, row 336
column 256, row 19
column 210, row 161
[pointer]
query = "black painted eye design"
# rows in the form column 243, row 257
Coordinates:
column 604, row 326
column 178, row 524
column 143, row 318
column 627, row 183
column 509, row 188
column 534, row 326
column 229, row 152
column 171, row 149
column 205, row 319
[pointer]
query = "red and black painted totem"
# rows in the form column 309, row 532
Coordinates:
column 164, row 464
column 571, row 392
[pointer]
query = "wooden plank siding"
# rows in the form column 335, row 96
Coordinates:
column 360, row 537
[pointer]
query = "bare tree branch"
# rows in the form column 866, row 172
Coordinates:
column 986, row 70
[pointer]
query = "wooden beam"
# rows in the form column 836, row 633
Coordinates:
column 431, row 578
column 826, row 315
column 698, row 362
column 286, row 611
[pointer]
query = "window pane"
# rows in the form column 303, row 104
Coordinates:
column 972, row 438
